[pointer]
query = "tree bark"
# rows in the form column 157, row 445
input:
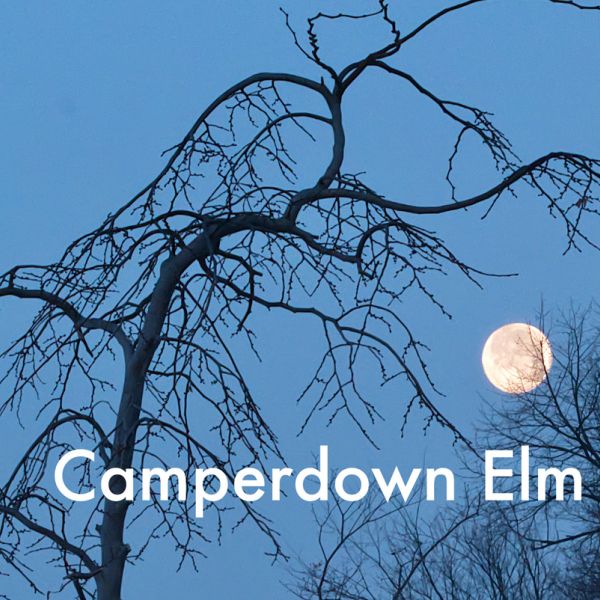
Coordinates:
column 114, row 550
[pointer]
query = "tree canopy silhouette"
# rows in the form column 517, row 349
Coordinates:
column 234, row 222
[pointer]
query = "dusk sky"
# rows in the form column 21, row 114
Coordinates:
column 94, row 92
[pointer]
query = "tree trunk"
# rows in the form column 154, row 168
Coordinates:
column 113, row 548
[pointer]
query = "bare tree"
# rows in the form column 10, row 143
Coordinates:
column 487, row 551
column 233, row 224
column 560, row 423
column 393, row 551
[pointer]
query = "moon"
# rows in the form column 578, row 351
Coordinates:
column 516, row 358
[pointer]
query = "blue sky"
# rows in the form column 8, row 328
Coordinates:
column 93, row 92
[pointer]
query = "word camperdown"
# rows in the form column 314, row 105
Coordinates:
column 312, row 484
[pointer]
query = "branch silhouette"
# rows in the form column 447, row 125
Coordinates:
column 233, row 224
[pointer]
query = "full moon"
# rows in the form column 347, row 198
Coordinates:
column 516, row 358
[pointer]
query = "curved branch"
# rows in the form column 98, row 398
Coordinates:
column 55, row 424
column 519, row 174
column 442, row 13
column 79, row 321
column 226, row 95
column 451, row 9
column 61, row 542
